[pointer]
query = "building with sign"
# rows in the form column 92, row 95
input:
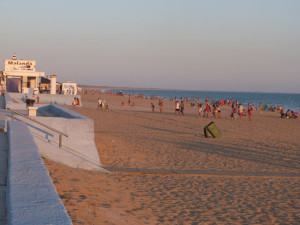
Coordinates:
column 20, row 75
column 69, row 88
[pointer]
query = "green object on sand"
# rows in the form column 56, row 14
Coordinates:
column 213, row 130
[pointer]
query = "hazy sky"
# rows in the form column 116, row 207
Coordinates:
column 226, row 45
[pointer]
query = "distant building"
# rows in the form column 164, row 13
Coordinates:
column 20, row 75
column 69, row 88
column 45, row 86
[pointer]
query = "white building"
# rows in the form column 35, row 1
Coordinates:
column 20, row 75
column 69, row 88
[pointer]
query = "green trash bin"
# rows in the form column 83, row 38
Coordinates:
column 213, row 130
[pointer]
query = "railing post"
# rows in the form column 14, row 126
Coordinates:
column 12, row 116
column 60, row 140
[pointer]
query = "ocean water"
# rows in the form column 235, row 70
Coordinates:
column 287, row 101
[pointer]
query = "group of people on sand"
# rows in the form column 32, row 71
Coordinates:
column 240, row 111
column 288, row 114
column 205, row 112
column 129, row 103
column 160, row 104
column 102, row 105
column 76, row 102
column 179, row 108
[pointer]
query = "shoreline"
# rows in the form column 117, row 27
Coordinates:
column 173, row 89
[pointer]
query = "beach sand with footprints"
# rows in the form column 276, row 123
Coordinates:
column 164, row 171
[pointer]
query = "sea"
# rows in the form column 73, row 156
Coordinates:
column 287, row 101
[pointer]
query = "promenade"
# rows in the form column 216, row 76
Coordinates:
column 3, row 165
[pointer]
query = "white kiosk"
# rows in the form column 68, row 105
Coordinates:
column 20, row 75
column 69, row 88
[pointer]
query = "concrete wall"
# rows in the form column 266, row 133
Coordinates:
column 31, row 195
column 10, row 104
column 63, row 112
column 44, row 99
column 78, row 149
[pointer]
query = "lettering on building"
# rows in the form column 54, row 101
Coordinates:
column 13, row 62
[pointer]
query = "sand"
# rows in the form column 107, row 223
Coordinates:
column 248, row 176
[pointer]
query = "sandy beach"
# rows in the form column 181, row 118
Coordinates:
column 251, row 175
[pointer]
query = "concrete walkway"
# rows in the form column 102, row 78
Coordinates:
column 3, row 173
column 3, row 164
column 2, row 102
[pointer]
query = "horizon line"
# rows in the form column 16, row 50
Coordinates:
column 173, row 89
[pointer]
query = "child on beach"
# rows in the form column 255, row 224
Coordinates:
column 219, row 112
column 249, row 112
column 200, row 110
column 233, row 112
column 215, row 111
column 282, row 112
column 294, row 115
column 161, row 107
column 152, row 106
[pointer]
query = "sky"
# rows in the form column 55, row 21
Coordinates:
column 215, row 45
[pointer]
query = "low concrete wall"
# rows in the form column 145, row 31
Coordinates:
column 10, row 104
column 78, row 149
column 31, row 195
column 63, row 112
column 45, row 98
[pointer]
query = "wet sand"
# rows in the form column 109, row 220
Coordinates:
column 134, row 137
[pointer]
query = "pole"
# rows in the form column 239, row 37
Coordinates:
column 12, row 116
column 60, row 140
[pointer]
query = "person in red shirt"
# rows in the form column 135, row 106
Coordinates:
column 207, row 109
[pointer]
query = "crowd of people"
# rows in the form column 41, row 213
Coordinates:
column 207, row 109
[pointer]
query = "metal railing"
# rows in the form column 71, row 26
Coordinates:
column 38, row 122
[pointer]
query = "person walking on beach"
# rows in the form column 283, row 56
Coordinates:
column 161, row 107
column 152, row 107
column 233, row 112
column 200, row 110
column 249, row 112
column 215, row 111
column 207, row 110
column 99, row 103
column 182, row 108
column 219, row 112
column 259, row 107
column 177, row 107
column 241, row 110
column 74, row 103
